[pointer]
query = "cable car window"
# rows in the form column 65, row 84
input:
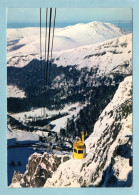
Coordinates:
column 80, row 151
column 75, row 150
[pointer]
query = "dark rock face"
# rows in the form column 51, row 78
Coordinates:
column 65, row 158
column 39, row 169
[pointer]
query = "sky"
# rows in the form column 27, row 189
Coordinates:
column 69, row 16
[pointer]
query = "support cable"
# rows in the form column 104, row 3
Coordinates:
column 45, row 47
column 48, row 46
column 52, row 43
column 53, row 34
column 40, row 65
column 46, row 67
column 44, row 79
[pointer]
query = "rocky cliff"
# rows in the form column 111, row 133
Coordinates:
column 108, row 161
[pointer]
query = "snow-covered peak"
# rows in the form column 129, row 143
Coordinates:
column 98, row 31
column 25, row 41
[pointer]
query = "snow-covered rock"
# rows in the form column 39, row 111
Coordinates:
column 39, row 168
column 109, row 160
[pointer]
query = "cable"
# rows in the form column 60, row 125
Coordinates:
column 46, row 68
column 40, row 37
column 53, row 34
column 48, row 45
column 46, row 32
column 45, row 61
column 52, row 44
column 45, row 73
column 40, row 64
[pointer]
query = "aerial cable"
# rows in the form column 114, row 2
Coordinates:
column 45, row 73
column 40, row 37
column 46, row 32
column 47, row 61
column 45, row 68
column 52, row 42
column 53, row 34
column 45, row 48
column 40, row 64
column 48, row 45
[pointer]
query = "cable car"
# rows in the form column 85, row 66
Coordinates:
column 79, row 148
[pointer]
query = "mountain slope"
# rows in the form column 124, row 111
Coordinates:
column 105, row 57
column 113, row 56
column 109, row 150
column 110, row 56
column 104, row 154
column 24, row 43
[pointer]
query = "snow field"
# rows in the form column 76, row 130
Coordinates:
column 13, row 91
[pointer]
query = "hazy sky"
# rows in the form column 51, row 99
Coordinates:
column 70, row 15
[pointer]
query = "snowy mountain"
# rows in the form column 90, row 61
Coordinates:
column 109, row 151
column 23, row 44
column 88, row 75
column 89, row 88
column 108, row 160
column 102, row 59
column 106, row 57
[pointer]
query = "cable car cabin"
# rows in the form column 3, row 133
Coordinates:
column 79, row 148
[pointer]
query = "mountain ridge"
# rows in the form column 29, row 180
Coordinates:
column 24, row 42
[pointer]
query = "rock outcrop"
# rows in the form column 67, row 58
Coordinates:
column 40, row 167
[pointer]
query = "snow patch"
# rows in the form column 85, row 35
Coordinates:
column 14, row 91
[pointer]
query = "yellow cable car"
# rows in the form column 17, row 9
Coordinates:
column 79, row 148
